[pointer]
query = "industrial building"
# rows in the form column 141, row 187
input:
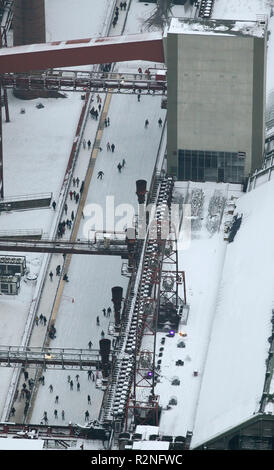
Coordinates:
column 216, row 98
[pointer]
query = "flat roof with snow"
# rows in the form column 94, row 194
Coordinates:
column 21, row 444
column 216, row 26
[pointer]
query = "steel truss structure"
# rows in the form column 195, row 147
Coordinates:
column 49, row 358
column 77, row 80
column 143, row 404
column 114, row 248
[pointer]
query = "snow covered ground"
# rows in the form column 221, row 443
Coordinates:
column 36, row 148
column 232, row 384
column 216, row 318
column 76, row 321
column 202, row 263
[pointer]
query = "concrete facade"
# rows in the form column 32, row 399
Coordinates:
column 216, row 94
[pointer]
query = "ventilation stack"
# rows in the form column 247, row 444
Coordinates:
column 141, row 189
column 105, row 351
column 117, row 296
column 29, row 28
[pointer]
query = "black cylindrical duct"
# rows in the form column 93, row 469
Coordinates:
column 105, row 345
column 141, row 189
column 117, row 296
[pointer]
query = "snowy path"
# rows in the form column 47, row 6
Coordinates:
column 53, row 148
column 76, row 321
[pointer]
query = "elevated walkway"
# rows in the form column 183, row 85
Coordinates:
column 56, row 358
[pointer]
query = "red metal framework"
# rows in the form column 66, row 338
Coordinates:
column 88, row 51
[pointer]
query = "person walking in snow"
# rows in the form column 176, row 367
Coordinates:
column 68, row 378
column 89, row 144
column 73, row 181
column 63, row 415
column 104, row 312
column 72, row 215
column 26, row 375
column 82, row 187
column 51, row 388
column 102, row 333
column 89, row 374
column 108, row 311
column 51, row 275
column 90, row 344
column 146, row 123
column 89, row 400
column 66, row 208
column 98, row 321
column 56, row 399
column 119, row 166
column 45, row 320
column 108, row 147
column 86, row 415
column 123, row 163
column 77, row 198
column 77, row 181
column 71, row 385
column 54, row 205
column 70, row 195
column 55, row 414
column 78, row 387
column 112, row 147
column 58, row 270
column 99, row 107
column 84, row 143
column 100, row 174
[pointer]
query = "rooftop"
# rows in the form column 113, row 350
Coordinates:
column 216, row 26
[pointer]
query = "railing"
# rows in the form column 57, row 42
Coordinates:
column 27, row 197
column 21, row 233
column 73, row 80
column 49, row 357
column 267, row 169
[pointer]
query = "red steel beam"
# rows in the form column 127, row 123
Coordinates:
column 82, row 52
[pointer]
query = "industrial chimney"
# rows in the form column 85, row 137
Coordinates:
column 29, row 28
column 29, row 22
